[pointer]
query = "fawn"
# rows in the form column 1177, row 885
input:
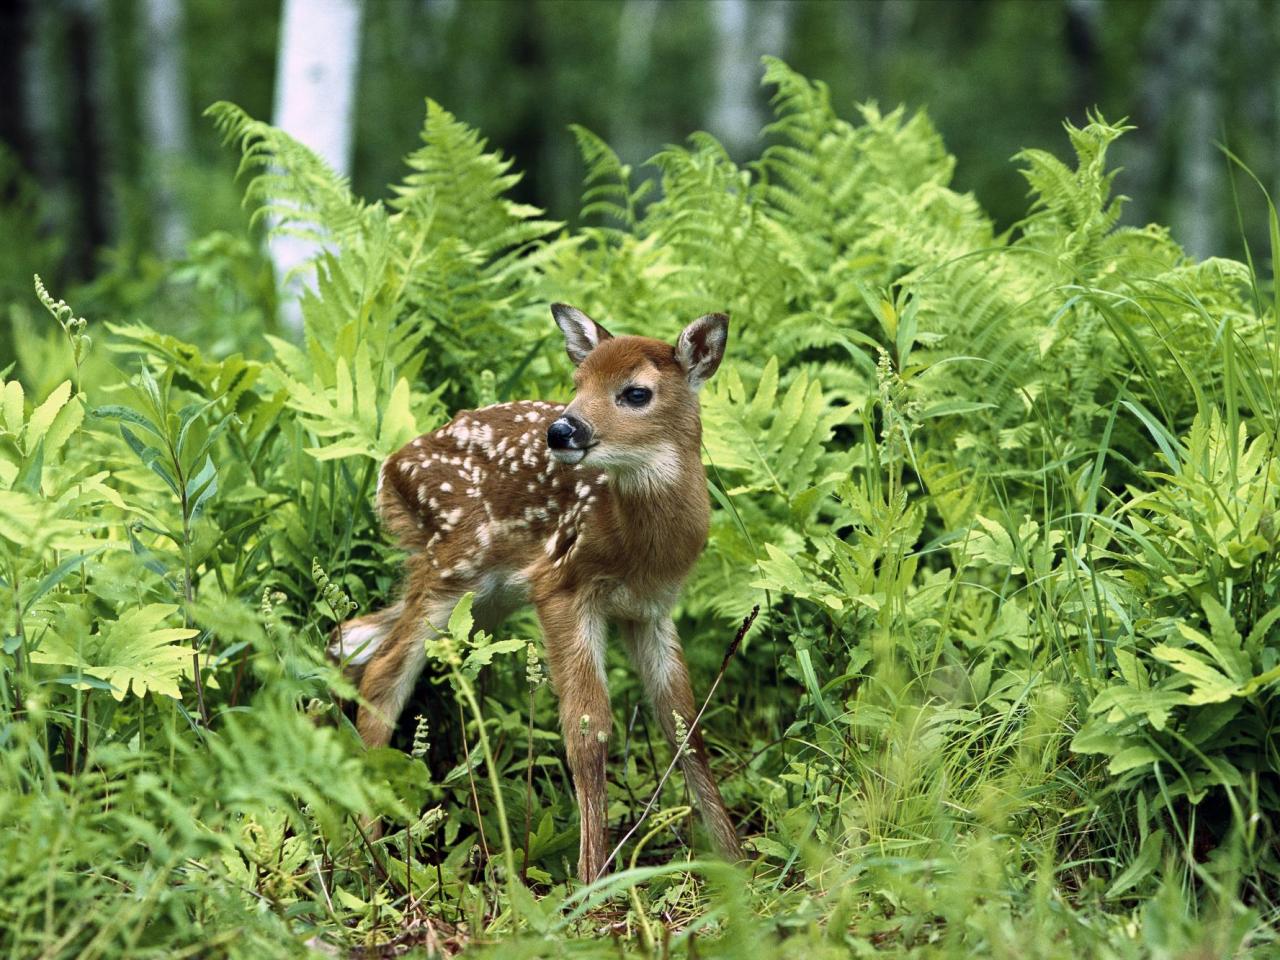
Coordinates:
column 595, row 512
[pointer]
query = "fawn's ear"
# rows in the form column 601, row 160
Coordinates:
column 581, row 333
column 701, row 347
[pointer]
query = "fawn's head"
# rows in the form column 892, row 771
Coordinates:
column 636, row 401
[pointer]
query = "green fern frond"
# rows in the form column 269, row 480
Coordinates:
column 1074, row 206
column 290, row 185
column 608, row 192
column 456, row 190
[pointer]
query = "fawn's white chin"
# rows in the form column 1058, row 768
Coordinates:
column 569, row 456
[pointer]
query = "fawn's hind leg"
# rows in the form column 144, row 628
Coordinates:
column 354, row 643
column 393, row 670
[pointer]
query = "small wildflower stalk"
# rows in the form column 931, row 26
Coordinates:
column 682, row 736
column 421, row 744
column 72, row 326
column 73, row 329
column 471, row 783
column 418, row 751
column 535, row 678
column 271, row 609
column 683, row 749
column 270, row 606
column 463, row 686
column 340, row 605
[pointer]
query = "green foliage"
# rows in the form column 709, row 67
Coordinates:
column 1008, row 504
column 133, row 654
column 1184, row 715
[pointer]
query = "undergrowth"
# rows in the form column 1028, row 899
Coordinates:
column 1007, row 503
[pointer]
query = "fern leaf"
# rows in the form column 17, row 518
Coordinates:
column 134, row 653
column 290, row 184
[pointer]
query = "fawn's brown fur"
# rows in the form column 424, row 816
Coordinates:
column 595, row 512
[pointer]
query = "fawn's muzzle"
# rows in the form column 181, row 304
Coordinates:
column 569, row 438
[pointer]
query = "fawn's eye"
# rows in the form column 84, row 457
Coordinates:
column 635, row 396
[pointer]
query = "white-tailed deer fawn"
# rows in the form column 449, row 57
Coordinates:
column 595, row 512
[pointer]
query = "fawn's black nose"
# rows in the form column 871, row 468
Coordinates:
column 568, row 433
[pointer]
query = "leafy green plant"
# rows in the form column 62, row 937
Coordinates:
column 1184, row 717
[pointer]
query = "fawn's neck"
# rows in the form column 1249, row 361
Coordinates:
column 660, row 514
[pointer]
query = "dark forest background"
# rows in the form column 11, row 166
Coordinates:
column 80, row 117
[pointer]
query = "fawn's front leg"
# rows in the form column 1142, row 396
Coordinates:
column 655, row 649
column 575, row 639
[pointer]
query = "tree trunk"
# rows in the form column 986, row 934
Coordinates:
column 636, row 24
column 733, row 114
column 14, row 22
column 84, row 144
column 164, row 115
column 744, row 33
column 315, row 94
column 1178, row 123
column 1200, row 171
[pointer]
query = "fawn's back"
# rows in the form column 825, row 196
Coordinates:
column 483, row 500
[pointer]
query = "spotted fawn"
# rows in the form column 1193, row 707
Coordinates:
column 595, row 512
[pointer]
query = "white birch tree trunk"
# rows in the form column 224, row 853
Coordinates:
column 1201, row 168
column 733, row 114
column 314, row 104
column 164, row 117
column 745, row 32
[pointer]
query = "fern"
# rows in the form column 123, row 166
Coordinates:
column 455, row 192
column 994, row 491
column 289, row 183
column 608, row 192
column 43, row 433
column 133, row 654
column 353, row 411
column 1073, row 211
column 768, row 454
